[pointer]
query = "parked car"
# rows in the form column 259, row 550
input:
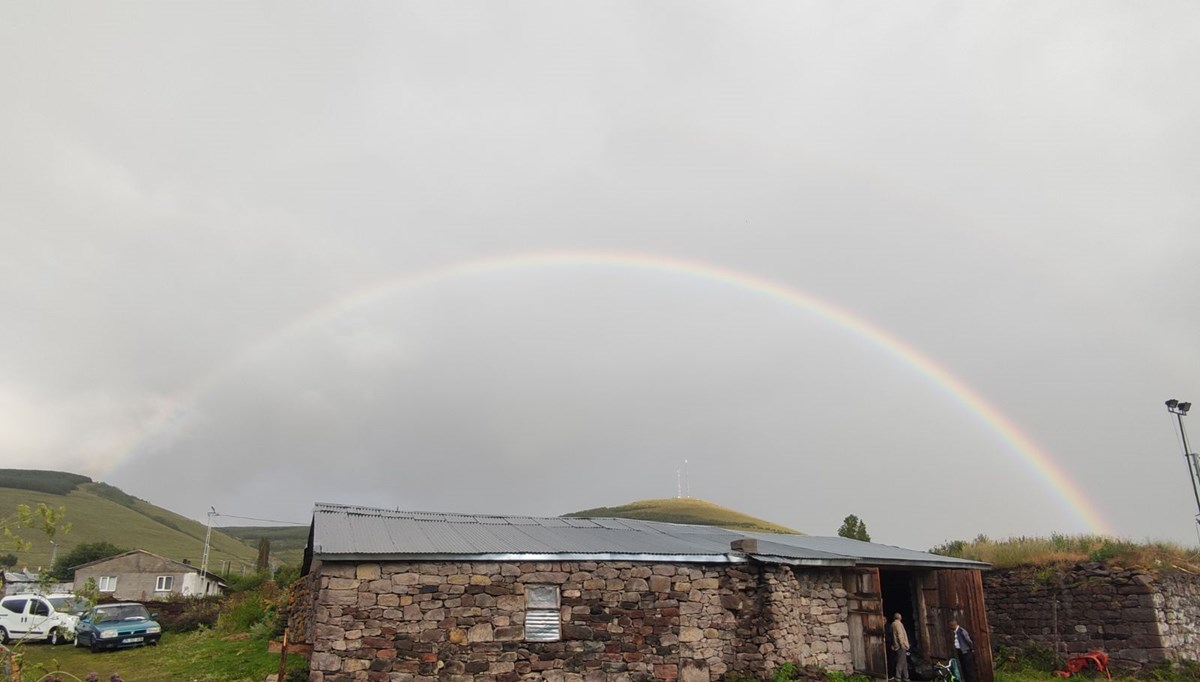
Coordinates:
column 114, row 626
column 52, row 617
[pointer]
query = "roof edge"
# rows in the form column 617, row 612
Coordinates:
column 529, row 556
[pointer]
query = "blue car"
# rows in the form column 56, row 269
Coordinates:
column 113, row 626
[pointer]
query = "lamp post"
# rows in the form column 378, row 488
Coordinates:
column 1180, row 410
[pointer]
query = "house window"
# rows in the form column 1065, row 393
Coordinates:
column 164, row 583
column 543, row 622
column 108, row 583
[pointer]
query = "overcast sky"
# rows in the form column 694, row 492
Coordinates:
column 248, row 256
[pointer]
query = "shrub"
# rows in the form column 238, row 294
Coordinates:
column 785, row 672
column 242, row 611
column 194, row 615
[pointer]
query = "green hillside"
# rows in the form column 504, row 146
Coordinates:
column 685, row 510
column 97, row 511
column 287, row 542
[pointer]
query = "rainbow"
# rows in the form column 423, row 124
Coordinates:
column 1037, row 460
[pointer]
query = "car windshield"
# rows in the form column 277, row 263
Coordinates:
column 112, row 612
column 73, row 605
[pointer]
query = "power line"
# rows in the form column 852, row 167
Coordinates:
column 251, row 518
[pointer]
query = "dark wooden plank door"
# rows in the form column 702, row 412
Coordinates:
column 960, row 597
column 868, row 645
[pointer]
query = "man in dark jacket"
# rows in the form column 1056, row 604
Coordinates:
column 964, row 648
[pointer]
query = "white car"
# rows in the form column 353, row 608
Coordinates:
column 51, row 617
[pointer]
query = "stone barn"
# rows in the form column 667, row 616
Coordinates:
column 400, row 596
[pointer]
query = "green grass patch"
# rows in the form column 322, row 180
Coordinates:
column 685, row 510
column 198, row 657
column 1061, row 549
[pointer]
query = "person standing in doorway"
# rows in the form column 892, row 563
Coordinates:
column 965, row 649
column 900, row 646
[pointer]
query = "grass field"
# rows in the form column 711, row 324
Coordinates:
column 685, row 510
column 136, row 524
column 194, row 657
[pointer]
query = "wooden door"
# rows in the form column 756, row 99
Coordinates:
column 868, row 625
column 959, row 595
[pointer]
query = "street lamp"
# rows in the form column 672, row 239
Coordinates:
column 1180, row 410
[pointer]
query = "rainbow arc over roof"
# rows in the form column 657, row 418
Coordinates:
column 1037, row 460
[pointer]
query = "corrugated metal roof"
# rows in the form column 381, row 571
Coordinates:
column 350, row 532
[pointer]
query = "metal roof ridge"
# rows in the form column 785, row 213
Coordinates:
column 453, row 517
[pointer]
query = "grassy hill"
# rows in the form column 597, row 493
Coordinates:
column 685, row 510
column 98, row 511
column 287, row 542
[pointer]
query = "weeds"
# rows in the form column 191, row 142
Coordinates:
column 1060, row 548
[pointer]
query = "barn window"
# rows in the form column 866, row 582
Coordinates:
column 108, row 583
column 542, row 620
column 164, row 583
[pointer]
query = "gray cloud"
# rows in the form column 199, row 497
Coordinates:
column 1007, row 187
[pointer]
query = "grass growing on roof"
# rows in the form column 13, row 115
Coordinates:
column 1061, row 549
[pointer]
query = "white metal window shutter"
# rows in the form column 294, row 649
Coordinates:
column 542, row 619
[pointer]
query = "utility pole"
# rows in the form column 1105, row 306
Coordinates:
column 207, row 536
column 1180, row 410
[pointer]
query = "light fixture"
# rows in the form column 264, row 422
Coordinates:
column 1179, row 409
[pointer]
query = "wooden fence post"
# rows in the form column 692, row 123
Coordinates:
column 283, row 657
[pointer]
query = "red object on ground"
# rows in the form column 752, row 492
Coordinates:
column 1076, row 664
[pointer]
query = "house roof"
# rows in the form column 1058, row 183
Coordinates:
column 349, row 533
column 185, row 568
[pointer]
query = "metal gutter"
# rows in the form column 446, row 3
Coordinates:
column 904, row 563
column 566, row 556
column 789, row 561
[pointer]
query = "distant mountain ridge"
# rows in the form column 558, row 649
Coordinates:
column 100, row 512
column 689, row 510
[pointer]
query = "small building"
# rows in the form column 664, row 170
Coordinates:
column 139, row 575
column 392, row 595
column 26, row 581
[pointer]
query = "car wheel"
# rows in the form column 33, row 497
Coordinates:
column 4, row 636
column 55, row 638
column 76, row 642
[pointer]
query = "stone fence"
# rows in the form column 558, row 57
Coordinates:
column 1138, row 617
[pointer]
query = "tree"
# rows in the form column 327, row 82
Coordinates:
column 264, row 556
column 854, row 528
column 82, row 554
column 8, row 560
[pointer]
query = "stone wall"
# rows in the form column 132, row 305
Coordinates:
column 402, row 621
column 1177, row 598
column 1137, row 618
column 805, row 618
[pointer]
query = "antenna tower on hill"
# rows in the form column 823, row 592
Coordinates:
column 683, row 487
